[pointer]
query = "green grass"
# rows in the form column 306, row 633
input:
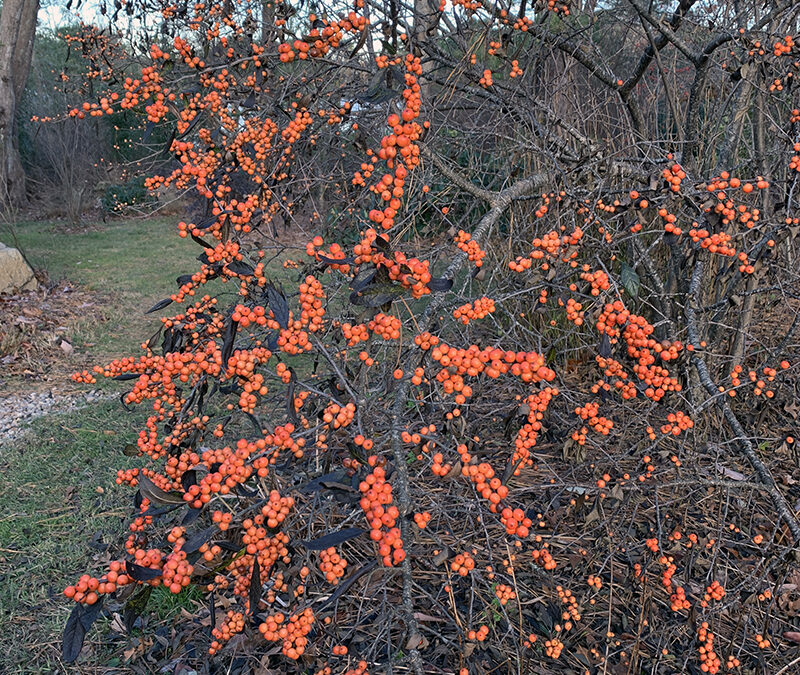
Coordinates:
column 59, row 506
column 132, row 264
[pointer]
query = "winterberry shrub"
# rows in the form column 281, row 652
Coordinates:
column 488, row 361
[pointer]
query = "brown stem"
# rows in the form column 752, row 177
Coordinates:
column 741, row 438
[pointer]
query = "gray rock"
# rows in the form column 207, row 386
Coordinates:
column 15, row 273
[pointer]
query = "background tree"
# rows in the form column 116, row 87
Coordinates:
column 17, row 32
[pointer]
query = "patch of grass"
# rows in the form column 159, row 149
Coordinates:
column 59, row 511
column 163, row 604
column 133, row 263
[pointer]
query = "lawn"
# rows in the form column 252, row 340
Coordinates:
column 60, row 509
column 59, row 506
column 129, row 264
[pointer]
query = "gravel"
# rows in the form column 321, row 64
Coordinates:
column 17, row 411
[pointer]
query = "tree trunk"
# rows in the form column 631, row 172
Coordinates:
column 426, row 18
column 17, row 31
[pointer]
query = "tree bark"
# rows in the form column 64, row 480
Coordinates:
column 17, row 32
column 426, row 18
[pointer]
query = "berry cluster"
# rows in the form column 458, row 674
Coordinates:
column 311, row 297
column 715, row 591
column 589, row 412
column 709, row 661
column 89, row 588
column 332, row 565
column 388, row 327
column 570, row 613
column 676, row 422
column 553, row 648
column 543, row 558
column 355, row 334
column 422, row 519
column 463, row 564
column 276, row 509
column 678, row 601
column 504, row 593
column 292, row 633
column 476, row 310
column 232, row 624
column 439, row 467
column 466, row 243
column 480, row 635
column 381, row 515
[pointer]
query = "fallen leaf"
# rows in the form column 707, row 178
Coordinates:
column 730, row 473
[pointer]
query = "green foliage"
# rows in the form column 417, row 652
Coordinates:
column 131, row 194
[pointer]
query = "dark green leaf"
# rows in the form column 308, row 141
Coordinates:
column 140, row 573
column 605, row 346
column 191, row 516
column 277, row 303
column 201, row 241
column 227, row 342
column 333, row 539
column 159, row 305
column 336, row 261
column 189, row 478
column 254, row 594
column 376, row 295
column 194, row 542
column 317, row 483
column 156, row 495
column 440, row 284
column 78, row 624
column 240, row 268
column 74, row 634
column 212, row 609
column 629, row 279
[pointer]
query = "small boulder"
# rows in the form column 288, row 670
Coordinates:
column 15, row 273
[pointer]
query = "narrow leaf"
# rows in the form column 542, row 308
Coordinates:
column 227, row 342
column 159, row 305
column 333, row 539
column 191, row 516
column 336, row 261
column 440, row 284
column 140, row 573
column 240, row 268
column 212, row 609
column 194, row 542
column 156, row 495
column 277, row 303
column 73, row 636
column 78, row 624
column 254, row 594
column 135, row 606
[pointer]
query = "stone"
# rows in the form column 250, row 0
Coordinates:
column 15, row 273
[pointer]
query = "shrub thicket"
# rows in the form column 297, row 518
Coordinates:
column 488, row 364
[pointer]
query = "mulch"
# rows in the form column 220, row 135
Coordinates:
column 36, row 327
